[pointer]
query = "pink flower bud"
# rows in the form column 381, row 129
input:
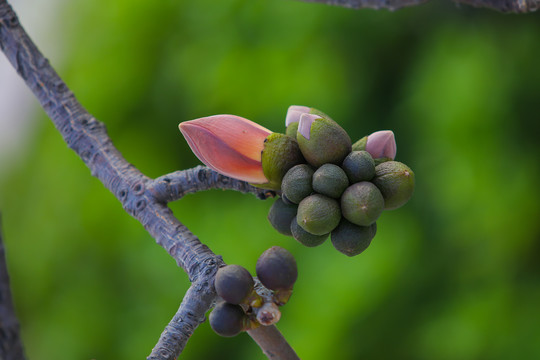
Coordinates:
column 228, row 144
column 381, row 144
column 294, row 113
column 306, row 120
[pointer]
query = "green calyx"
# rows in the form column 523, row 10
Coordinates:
column 360, row 144
column 281, row 152
column 327, row 142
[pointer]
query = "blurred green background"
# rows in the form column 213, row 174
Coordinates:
column 455, row 274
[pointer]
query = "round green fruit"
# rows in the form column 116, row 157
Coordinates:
column 280, row 216
column 351, row 239
column 297, row 183
column 318, row 214
column 395, row 180
column 362, row 203
column 305, row 238
column 330, row 180
column 359, row 166
column 280, row 153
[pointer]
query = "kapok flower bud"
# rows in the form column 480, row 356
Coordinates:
column 380, row 144
column 228, row 144
column 242, row 149
column 322, row 140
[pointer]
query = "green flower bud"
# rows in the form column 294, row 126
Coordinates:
column 362, row 203
column 296, row 184
column 395, row 180
column 330, row 180
column 360, row 144
column 305, row 238
column 280, row 153
column 228, row 319
column 281, row 215
column 292, row 129
column 233, row 283
column 351, row 239
column 322, row 140
column 318, row 214
column 359, row 166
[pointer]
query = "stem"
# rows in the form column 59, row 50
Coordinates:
column 10, row 338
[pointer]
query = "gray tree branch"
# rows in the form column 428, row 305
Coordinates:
column 506, row 6
column 10, row 337
column 89, row 139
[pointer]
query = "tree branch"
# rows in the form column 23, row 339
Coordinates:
column 506, row 6
column 174, row 186
column 10, row 338
column 89, row 139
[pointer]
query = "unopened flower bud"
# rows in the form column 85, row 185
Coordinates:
column 322, row 140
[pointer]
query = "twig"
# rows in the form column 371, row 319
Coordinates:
column 174, row 186
column 88, row 138
column 10, row 338
column 505, row 6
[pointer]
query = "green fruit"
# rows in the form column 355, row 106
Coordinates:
column 305, row 238
column 330, row 180
column 359, row 166
column 351, row 239
column 280, row 153
column 296, row 184
column 318, row 214
column 276, row 268
column 281, row 215
column 323, row 141
column 228, row 319
column 233, row 283
column 395, row 180
column 362, row 203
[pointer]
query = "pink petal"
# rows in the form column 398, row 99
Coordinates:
column 294, row 112
column 229, row 144
column 304, row 127
column 382, row 144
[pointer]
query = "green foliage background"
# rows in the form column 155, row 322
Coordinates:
column 455, row 274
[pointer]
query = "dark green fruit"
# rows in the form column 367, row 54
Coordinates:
column 296, row 184
column 322, row 140
column 330, row 180
column 280, row 153
column 233, row 283
column 305, row 238
column 351, row 239
column 276, row 269
column 228, row 319
column 280, row 216
column 362, row 203
column 395, row 180
column 318, row 214
column 359, row 166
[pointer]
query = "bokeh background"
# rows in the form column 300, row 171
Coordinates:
column 455, row 274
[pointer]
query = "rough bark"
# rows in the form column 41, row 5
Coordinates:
column 505, row 6
column 10, row 337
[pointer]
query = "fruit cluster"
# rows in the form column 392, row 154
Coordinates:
column 342, row 189
column 245, row 303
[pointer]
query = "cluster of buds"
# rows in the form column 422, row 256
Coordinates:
column 328, row 185
column 243, row 305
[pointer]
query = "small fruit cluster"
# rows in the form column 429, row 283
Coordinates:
column 342, row 190
column 246, row 304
